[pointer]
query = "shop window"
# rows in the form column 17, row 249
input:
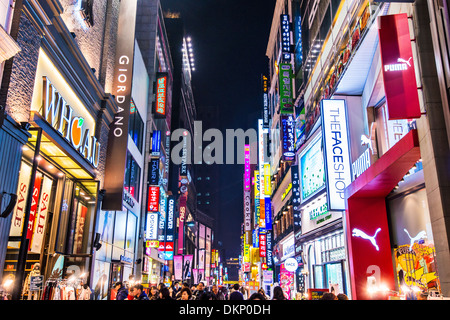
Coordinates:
column 131, row 232
column 389, row 132
column 132, row 177
column 136, row 127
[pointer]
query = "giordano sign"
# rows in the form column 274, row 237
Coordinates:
column 63, row 110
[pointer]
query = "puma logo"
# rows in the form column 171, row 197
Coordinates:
column 358, row 233
column 422, row 234
column 405, row 61
column 367, row 139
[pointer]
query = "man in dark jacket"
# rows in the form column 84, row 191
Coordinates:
column 122, row 292
column 140, row 293
column 236, row 295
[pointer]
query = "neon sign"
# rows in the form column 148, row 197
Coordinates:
column 70, row 125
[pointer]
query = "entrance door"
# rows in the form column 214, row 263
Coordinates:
column 116, row 274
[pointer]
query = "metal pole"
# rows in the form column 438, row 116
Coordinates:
column 23, row 250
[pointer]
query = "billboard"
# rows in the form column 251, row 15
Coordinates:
column 336, row 151
column 161, row 95
column 397, row 65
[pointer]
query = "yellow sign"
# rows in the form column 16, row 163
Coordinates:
column 267, row 180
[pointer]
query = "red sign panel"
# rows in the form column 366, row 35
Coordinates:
column 161, row 94
column 153, row 198
column 398, row 67
column 262, row 245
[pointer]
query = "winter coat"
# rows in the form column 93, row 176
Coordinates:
column 122, row 293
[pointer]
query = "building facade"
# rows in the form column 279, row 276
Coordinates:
column 340, row 63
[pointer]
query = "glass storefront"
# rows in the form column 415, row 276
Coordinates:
column 326, row 262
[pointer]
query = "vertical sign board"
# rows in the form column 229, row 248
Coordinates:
column 153, row 199
column 336, row 149
column 151, row 230
column 285, row 37
column 118, row 134
column 247, row 215
column 181, row 224
column 397, row 66
column 295, row 178
column 247, row 177
column 288, row 137
column 266, row 113
column 269, row 248
column 161, row 95
column 286, row 95
column 156, row 143
column 153, row 172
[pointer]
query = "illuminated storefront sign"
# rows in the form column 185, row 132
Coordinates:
column 266, row 113
column 319, row 208
column 153, row 199
column 312, row 170
column 286, row 192
column 295, row 177
column 182, row 218
column 288, row 137
column 152, row 226
column 267, row 180
column 269, row 249
column 268, row 213
column 247, row 180
column 286, row 100
column 156, row 143
column 262, row 245
column 285, row 37
column 336, row 150
column 116, row 158
column 69, row 124
column 247, row 212
column 59, row 105
column 153, row 172
column 398, row 67
column 161, row 95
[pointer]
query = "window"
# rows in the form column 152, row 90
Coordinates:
column 136, row 126
column 132, row 177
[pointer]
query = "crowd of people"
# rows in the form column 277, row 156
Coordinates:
column 200, row 292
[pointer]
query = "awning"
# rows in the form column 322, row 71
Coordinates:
column 381, row 177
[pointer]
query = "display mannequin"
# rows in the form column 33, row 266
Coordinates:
column 35, row 271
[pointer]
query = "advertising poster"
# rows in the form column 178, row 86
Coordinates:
column 187, row 266
column 312, row 170
column 41, row 217
column 178, row 267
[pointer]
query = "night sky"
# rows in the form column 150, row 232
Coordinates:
column 229, row 40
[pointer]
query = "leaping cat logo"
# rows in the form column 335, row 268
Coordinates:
column 422, row 234
column 405, row 61
column 358, row 233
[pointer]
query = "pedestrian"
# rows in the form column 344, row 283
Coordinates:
column 236, row 294
column 278, row 293
column 257, row 296
column 140, row 293
column 216, row 294
column 131, row 293
column 185, row 294
column 175, row 289
column 342, row 296
column 200, row 290
column 154, row 294
column 164, row 294
column 244, row 292
column 329, row 296
column 122, row 292
column 263, row 293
